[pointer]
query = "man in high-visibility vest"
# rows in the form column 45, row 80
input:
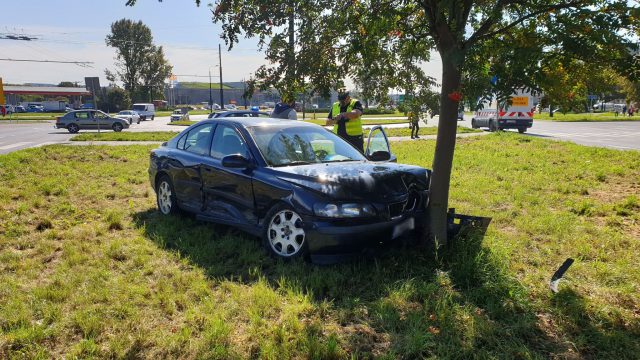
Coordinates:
column 345, row 117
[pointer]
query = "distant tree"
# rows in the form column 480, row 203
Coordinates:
column 67, row 84
column 138, row 62
column 117, row 99
column 154, row 72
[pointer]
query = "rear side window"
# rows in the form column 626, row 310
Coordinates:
column 82, row 115
column 197, row 140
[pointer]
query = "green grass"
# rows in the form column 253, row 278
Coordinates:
column 424, row 130
column 607, row 116
column 323, row 115
column 89, row 268
column 126, row 136
column 182, row 123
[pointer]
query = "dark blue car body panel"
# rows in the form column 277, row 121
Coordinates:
column 243, row 196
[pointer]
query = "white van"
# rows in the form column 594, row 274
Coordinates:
column 517, row 116
column 146, row 111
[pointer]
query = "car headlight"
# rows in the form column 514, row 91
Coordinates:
column 344, row 210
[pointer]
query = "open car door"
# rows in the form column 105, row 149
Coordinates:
column 378, row 148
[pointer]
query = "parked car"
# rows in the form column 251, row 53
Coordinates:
column 8, row 109
column 130, row 115
column 35, row 109
column 239, row 113
column 230, row 107
column 460, row 115
column 19, row 109
column 179, row 115
column 77, row 120
column 299, row 187
column 146, row 111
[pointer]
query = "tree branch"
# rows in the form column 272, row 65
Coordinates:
column 478, row 35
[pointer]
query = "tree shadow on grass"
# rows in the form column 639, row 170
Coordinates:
column 405, row 302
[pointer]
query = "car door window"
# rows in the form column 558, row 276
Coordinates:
column 377, row 141
column 227, row 141
column 197, row 140
column 82, row 115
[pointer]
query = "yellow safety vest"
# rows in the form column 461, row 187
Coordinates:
column 353, row 126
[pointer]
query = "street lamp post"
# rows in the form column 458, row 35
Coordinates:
column 220, row 63
column 210, row 95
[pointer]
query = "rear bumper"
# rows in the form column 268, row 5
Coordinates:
column 515, row 123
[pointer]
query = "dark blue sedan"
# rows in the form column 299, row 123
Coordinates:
column 299, row 187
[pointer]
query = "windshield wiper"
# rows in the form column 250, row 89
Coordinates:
column 293, row 163
column 341, row 160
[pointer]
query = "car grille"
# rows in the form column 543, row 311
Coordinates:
column 402, row 207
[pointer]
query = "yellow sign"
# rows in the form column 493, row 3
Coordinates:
column 520, row 101
column 1, row 93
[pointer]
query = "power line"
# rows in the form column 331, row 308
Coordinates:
column 81, row 63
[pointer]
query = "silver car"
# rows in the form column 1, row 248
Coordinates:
column 130, row 116
column 73, row 121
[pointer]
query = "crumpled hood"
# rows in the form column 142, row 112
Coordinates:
column 357, row 180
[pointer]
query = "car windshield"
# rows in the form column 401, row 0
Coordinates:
column 123, row 113
column 299, row 145
column 139, row 107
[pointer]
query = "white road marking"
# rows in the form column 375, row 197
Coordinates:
column 14, row 145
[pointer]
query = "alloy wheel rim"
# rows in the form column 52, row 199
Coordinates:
column 164, row 197
column 285, row 233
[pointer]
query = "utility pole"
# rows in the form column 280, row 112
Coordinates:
column 220, row 63
column 210, row 96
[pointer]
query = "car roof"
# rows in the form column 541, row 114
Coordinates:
column 252, row 121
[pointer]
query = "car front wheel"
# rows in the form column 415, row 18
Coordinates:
column 283, row 234
column 73, row 128
column 522, row 130
column 166, row 196
column 117, row 127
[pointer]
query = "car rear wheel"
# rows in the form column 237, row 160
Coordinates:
column 117, row 127
column 166, row 196
column 142, row 118
column 283, row 235
column 152, row 117
column 492, row 126
column 73, row 128
column 473, row 124
column 522, row 130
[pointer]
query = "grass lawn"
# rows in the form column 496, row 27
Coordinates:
column 126, row 136
column 323, row 115
column 607, row 116
column 424, row 130
column 88, row 267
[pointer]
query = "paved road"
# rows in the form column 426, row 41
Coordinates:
column 622, row 135
column 616, row 135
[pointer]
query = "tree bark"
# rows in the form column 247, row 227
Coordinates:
column 445, row 146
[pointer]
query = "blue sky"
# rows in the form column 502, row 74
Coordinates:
column 74, row 30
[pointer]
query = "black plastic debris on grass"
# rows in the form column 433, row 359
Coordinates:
column 457, row 222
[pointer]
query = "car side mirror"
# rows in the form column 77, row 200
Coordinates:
column 380, row 156
column 236, row 161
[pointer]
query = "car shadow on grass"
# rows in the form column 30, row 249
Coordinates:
column 406, row 302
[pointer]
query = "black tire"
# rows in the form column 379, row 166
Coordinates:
column 117, row 127
column 73, row 128
column 138, row 120
column 166, row 196
column 143, row 118
column 282, row 235
column 522, row 130
column 492, row 126
column 152, row 117
column 130, row 121
column 473, row 124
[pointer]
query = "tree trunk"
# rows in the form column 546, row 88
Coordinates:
column 445, row 146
